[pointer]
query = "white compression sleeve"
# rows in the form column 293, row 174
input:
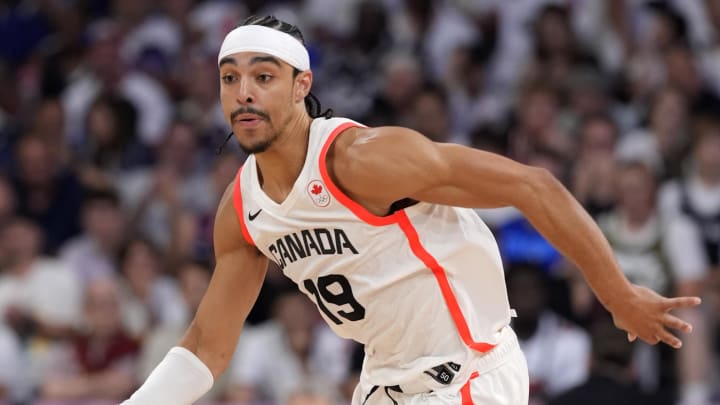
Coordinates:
column 181, row 378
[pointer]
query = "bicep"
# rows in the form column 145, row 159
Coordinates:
column 389, row 164
column 478, row 179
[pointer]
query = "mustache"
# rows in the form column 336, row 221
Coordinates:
column 249, row 110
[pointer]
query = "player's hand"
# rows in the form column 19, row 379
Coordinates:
column 646, row 315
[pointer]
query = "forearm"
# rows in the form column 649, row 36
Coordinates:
column 214, row 350
column 554, row 212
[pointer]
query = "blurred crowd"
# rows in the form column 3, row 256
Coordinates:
column 109, row 178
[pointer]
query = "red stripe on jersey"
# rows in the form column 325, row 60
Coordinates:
column 401, row 218
column 465, row 390
column 339, row 195
column 441, row 277
column 237, row 203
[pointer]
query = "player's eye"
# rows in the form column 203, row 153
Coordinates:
column 228, row 78
column 264, row 78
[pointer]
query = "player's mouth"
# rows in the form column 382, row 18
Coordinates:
column 248, row 120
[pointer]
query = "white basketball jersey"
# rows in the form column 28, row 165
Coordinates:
column 419, row 287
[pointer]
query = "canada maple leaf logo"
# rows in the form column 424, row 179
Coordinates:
column 318, row 194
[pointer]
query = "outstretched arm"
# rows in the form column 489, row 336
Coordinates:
column 378, row 166
column 189, row 369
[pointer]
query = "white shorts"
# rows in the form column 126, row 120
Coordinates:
column 499, row 377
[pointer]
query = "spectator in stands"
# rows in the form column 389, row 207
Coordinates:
column 536, row 117
column 639, row 239
column 95, row 251
column 430, row 113
column 165, row 197
column 148, row 295
column 692, row 204
column 47, row 193
column 664, row 26
column 682, row 72
column 104, row 71
column 665, row 135
column 697, row 195
column 431, row 30
column 587, row 91
column 282, row 355
column 634, row 228
column 39, row 296
column 557, row 51
column 400, row 82
column 111, row 145
column 471, row 100
column 611, row 379
column 557, row 351
column 351, row 82
column 100, row 362
column 592, row 182
column 200, row 102
column 48, row 122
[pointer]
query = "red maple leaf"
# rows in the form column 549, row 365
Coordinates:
column 316, row 189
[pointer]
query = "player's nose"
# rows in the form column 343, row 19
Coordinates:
column 245, row 93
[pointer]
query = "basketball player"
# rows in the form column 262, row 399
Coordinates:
column 375, row 226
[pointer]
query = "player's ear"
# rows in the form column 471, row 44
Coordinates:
column 303, row 83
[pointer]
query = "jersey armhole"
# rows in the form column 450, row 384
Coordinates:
column 237, row 203
column 338, row 194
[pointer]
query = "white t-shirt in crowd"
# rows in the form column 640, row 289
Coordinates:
column 684, row 242
column 49, row 291
column 558, row 354
column 265, row 361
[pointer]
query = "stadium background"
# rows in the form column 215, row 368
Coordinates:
column 109, row 122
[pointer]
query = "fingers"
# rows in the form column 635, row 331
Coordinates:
column 663, row 335
column 674, row 322
column 669, row 339
column 681, row 302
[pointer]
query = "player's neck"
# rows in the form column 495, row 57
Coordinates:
column 280, row 165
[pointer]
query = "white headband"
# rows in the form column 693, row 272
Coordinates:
column 257, row 38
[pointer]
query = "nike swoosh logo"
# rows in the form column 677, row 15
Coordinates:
column 252, row 216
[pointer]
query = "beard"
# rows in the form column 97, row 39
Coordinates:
column 272, row 134
column 262, row 145
column 259, row 147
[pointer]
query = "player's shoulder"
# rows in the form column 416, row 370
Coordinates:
column 226, row 201
column 362, row 140
column 227, row 230
column 362, row 151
